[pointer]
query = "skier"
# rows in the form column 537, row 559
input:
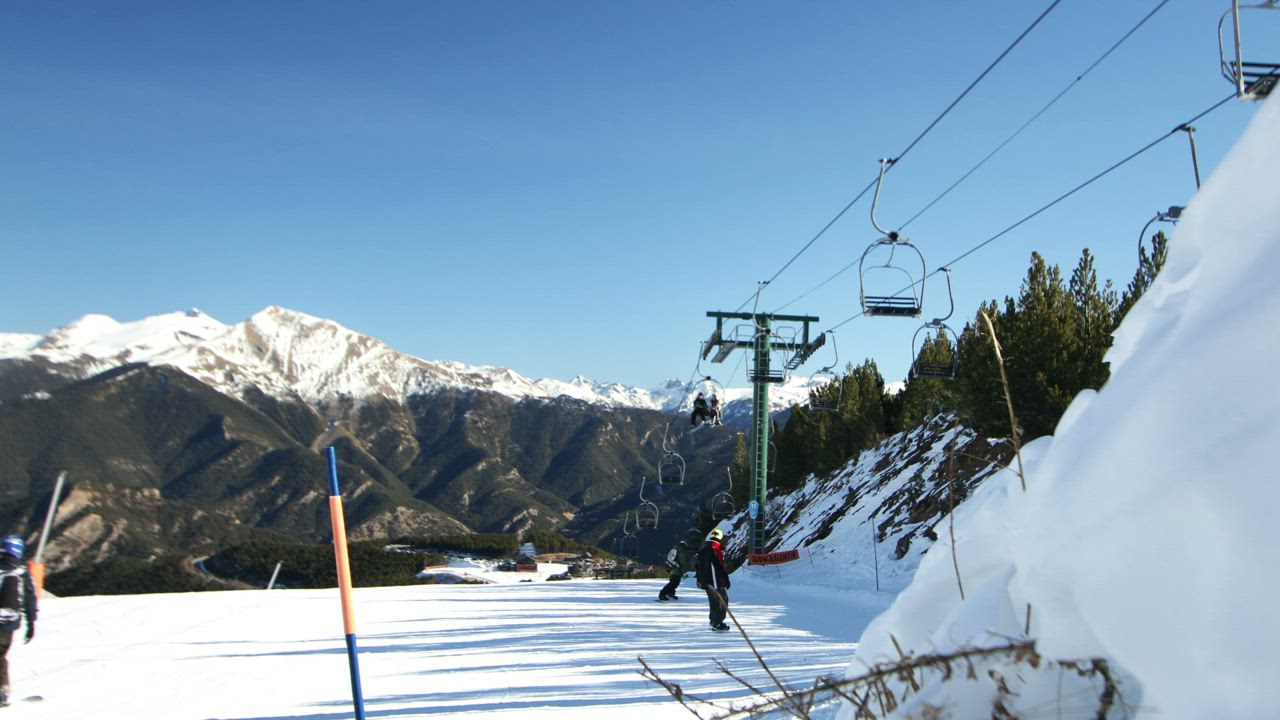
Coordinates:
column 679, row 561
column 715, row 410
column 700, row 412
column 714, row 578
column 17, row 598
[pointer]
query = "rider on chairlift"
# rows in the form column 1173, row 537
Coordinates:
column 701, row 413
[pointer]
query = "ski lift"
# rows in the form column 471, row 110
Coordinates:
column 822, row 397
column 902, row 303
column 671, row 466
column 647, row 512
column 629, row 545
column 1170, row 216
column 930, row 368
column 722, row 505
column 1252, row 80
column 710, row 386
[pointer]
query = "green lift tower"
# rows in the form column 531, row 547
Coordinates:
column 762, row 340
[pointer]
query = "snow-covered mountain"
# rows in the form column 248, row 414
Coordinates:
column 292, row 355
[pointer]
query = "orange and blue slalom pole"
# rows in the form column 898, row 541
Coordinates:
column 36, row 566
column 344, row 581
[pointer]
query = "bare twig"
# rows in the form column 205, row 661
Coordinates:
column 1016, row 435
column 742, row 682
column 951, row 512
column 874, row 679
column 759, row 658
column 672, row 688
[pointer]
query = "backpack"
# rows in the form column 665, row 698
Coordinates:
column 673, row 558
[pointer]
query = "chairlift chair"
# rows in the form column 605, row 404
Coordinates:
column 907, row 302
column 647, row 512
column 934, row 369
column 629, row 544
column 647, row 516
column 822, row 396
column 1252, row 80
column 722, row 505
column 671, row 469
column 671, row 465
column 707, row 384
column 1170, row 216
column 928, row 368
column 777, row 370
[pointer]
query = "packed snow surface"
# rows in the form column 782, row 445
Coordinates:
column 1143, row 535
column 528, row 650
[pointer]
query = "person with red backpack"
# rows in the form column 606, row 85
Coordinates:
column 17, row 599
column 714, row 578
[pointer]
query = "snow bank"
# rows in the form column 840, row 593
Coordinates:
column 1143, row 536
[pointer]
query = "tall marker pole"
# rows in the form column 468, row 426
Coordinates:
column 37, row 562
column 344, row 581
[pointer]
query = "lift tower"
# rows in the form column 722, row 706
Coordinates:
column 761, row 340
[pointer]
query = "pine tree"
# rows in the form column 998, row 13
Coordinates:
column 1148, row 267
column 1054, row 336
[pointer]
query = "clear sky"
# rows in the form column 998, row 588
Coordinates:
column 566, row 188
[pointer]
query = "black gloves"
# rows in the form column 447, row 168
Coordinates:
column 31, row 632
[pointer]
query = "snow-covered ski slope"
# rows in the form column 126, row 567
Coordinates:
column 527, row 650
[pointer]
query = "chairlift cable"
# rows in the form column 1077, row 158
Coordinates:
column 989, row 155
column 1037, row 115
column 1057, row 200
column 914, row 142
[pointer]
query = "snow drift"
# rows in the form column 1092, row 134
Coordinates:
column 1143, row 535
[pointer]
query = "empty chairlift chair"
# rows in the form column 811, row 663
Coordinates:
column 1253, row 80
column 886, row 263
column 671, row 465
column 722, row 505
column 826, row 389
column 927, row 358
column 647, row 512
column 629, row 544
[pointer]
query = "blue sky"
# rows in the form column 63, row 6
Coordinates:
column 566, row 188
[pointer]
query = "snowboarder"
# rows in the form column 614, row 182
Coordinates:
column 679, row 561
column 714, row 406
column 17, row 599
column 714, row 578
column 700, row 412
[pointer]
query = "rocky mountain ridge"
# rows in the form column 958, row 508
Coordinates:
column 294, row 356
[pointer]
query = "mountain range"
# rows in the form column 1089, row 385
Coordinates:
column 291, row 355
column 181, row 434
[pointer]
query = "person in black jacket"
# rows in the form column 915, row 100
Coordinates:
column 679, row 561
column 714, row 578
column 17, row 599
column 700, row 411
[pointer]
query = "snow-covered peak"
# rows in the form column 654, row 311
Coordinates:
column 98, row 342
